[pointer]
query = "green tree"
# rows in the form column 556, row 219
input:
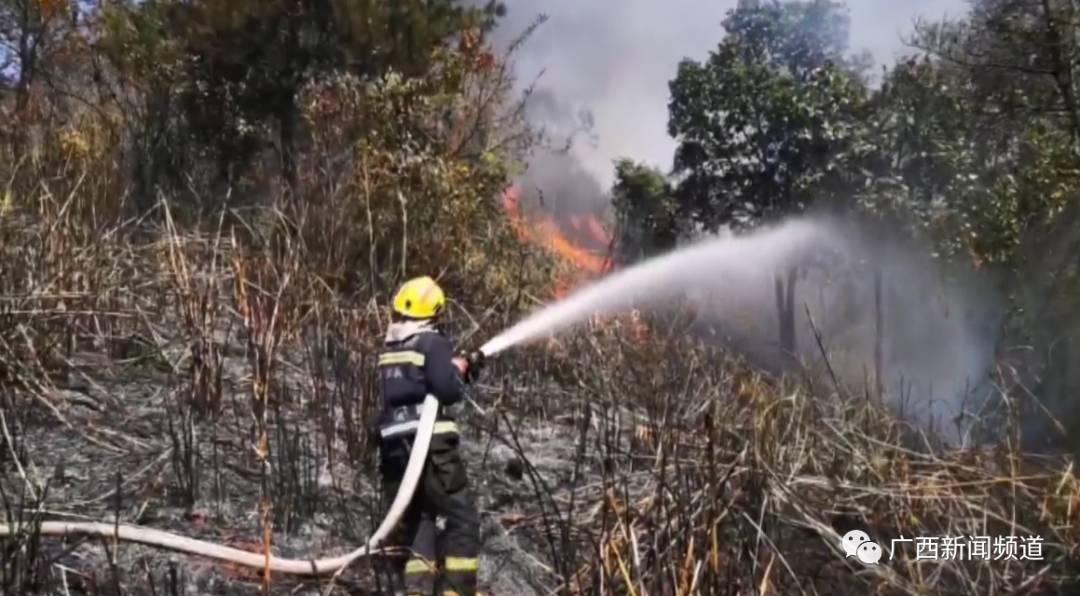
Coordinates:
column 769, row 122
column 795, row 37
column 1017, row 65
column 30, row 30
column 932, row 156
column 39, row 40
column 238, row 67
column 1021, row 60
column 646, row 211
column 1022, row 54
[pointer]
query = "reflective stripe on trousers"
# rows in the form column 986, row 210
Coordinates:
column 404, row 428
column 443, row 492
column 459, row 575
column 419, row 565
column 462, row 564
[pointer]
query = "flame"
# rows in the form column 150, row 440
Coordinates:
column 571, row 239
column 590, row 227
column 548, row 232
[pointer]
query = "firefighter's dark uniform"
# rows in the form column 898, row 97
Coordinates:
column 416, row 361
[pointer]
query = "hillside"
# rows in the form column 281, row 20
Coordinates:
column 584, row 479
column 205, row 208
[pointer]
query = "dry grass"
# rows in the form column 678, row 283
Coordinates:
column 204, row 379
column 699, row 480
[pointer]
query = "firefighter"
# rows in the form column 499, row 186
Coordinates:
column 417, row 360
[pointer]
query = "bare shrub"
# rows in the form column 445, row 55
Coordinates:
column 697, row 475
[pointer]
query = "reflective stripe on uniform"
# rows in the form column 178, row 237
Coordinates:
column 417, row 566
column 462, row 564
column 402, row 357
column 444, row 427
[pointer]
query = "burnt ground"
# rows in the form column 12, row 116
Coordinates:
column 588, row 481
column 104, row 423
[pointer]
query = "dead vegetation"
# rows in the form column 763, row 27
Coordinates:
column 209, row 372
column 209, row 384
column 706, row 479
column 240, row 416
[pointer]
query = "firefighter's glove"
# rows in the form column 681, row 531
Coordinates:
column 469, row 365
column 476, row 361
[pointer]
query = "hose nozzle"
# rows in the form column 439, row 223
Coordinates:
column 476, row 360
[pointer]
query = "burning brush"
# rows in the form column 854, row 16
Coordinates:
column 581, row 241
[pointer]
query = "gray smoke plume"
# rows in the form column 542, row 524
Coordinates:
column 600, row 72
column 934, row 324
column 608, row 64
column 927, row 334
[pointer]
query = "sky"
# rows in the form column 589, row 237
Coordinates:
column 614, row 59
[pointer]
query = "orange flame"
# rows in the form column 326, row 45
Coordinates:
column 590, row 227
column 569, row 239
column 549, row 233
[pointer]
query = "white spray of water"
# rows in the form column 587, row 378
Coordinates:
column 939, row 328
column 665, row 277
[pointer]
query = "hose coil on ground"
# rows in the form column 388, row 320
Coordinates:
column 176, row 542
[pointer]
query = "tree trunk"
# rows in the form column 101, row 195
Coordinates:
column 27, row 57
column 789, row 322
column 778, row 285
column 879, row 336
column 1063, row 70
column 26, row 61
column 287, row 125
column 785, row 310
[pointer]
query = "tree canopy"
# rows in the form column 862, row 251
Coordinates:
column 770, row 121
column 969, row 145
column 236, row 68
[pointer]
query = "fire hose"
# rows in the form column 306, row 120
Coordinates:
column 179, row 543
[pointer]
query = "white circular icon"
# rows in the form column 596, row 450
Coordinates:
column 852, row 541
column 869, row 553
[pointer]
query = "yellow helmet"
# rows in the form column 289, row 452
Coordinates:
column 419, row 298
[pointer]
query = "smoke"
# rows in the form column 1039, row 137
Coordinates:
column 556, row 177
column 608, row 64
column 599, row 72
column 939, row 322
column 935, row 343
